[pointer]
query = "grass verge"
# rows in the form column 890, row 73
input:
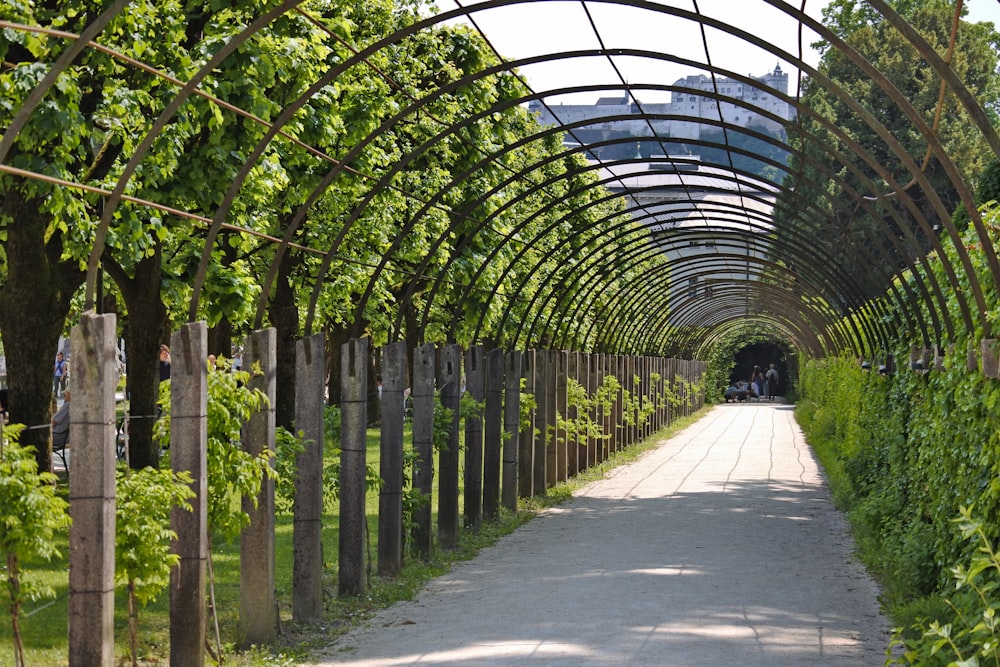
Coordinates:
column 44, row 621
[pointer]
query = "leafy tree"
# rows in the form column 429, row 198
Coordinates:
column 850, row 227
column 31, row 514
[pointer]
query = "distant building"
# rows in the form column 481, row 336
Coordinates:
column 744, row 109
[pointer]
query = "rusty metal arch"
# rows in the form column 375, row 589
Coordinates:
column 690, row 311
column 884, row 277
column 647, row 251
column 988, row 133
column 761, row 270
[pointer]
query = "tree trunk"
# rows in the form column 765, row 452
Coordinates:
column 146, row 326
column 335, row 339
column 220, row 339
column 34, row 304
column 284, row 315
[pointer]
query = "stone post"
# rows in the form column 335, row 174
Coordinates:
column 560, row 442
column 583, row 445
column 450, row 382
column 390, row 500
column 541, row 462
column 550, row 432
column 572, row 413
column 307, row 530
column 511, row 420
column 92, row 493
column 475, row 379
column 423, row 444
column 494, row 438
column 188, row 452
column 258, row 606
column 353, row 444
column 526, row 438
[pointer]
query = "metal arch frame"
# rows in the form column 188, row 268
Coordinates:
column 916, row 213
column 723, row 124
column 721, row 177
column 453, row 126
column 739, row 292
column 885, row 276
column 699, row 20
column 763, row 271
column 592, row 120
column 716, row 335
column 685, row 341
column 810, row 329
column 652, row 249
column 820, row 286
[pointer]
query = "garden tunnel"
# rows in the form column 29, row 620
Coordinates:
column 609, row 288
column 380, row 172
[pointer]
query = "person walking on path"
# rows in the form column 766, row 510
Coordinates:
column 60, row 373
column 719, row 547
column 771, row 380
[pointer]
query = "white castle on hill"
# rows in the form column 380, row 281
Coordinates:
column 748, row 100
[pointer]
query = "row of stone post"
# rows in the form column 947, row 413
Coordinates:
column 503, row 462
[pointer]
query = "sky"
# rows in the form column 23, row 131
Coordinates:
column 543, row 26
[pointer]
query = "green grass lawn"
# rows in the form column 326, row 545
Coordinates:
column 44, row 624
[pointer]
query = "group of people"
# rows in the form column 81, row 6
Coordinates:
column 760, row 385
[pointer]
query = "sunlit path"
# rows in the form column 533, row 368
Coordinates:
column 721, row 547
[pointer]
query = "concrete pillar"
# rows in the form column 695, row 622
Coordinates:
column 597, row 370
column 390, row 500
column 92, row 493
column 585, row 447
column 423, row 444
column 572, row 413
column 511, row 419
column 560, row 409
column 632, row 434
column 493, row 426
column 258, row 606
column 307, row 535
column 353, row 444
column 188, row 452
column 541, row 461
column 449, row 459
column 475, row 385
column 526, row 437
column 552, row 358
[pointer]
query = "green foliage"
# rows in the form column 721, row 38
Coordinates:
column 861, row 237
column 443, row 423
column 144, row 500
column 287, row 448
column 967, row 631
column 232, row 472
column 528, row 405
column 582, row 427
column 331, row 463
column 30, row 516
column 469, row 407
